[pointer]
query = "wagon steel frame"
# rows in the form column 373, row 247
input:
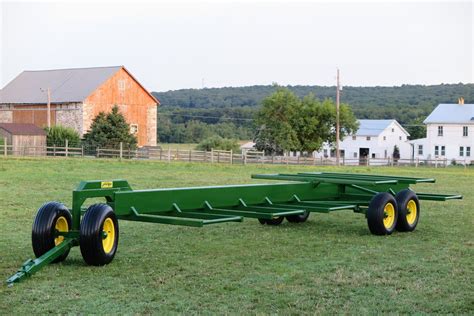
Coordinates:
column 302, row 193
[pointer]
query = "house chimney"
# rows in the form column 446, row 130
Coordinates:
column 461, row 100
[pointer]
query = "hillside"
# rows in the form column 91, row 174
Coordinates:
column 189, row 115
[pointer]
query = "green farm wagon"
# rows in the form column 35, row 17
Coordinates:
column 388, row 203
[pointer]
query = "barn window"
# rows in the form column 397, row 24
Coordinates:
column 133, row 128
column 121, row 85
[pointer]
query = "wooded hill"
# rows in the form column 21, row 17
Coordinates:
column 229, row 111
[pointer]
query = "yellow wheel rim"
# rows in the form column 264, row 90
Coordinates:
column 61, row 226
column 412, row 212
column 389, row 215
column 109, row 233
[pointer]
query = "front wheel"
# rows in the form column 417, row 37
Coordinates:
column 300, row 218
column 408, row 210
column 51, row 218
column 99, row 235
column 382, row 214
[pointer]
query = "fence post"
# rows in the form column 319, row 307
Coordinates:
column 212, row 155
column 245, row 157
column 368, row 161
column 231, row 156
column 54, row 150
column 169, row 154
column 177, row 154
column 5, row 150
column 82, row 151
column 161, row 153
column 67, row 147
column 98, row 152
column 190, row 155
column 121, row 150
column 218, row 157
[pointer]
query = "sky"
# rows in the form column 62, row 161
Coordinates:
column 180, row 44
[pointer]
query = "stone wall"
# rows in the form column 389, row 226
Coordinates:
column 151, row 125
column 6, row 115
column 70, row 116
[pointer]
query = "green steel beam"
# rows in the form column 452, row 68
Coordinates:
column 32, row 266
column 438, row 197
column 408, row 180
column 321, row 179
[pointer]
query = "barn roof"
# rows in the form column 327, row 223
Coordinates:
column 66, row 85
column 375, row 127
column 451, row 113
column 22, row 129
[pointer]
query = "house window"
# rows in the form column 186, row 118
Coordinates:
column 400, row 137
column 368, row 137
column 468, row 151
column 393, row 130
column 385, row 138
column 465, row 131
column 133, row 128
column 354, row 137
column 385, row 153
column 440, row 130
column 443, row 151
column 461, row 151
column 420, row 150
column 436, row 150
column 373, row 155
column 355, row 155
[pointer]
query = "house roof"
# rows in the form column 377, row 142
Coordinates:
column 375, row 127
column 22, row 129
column 66, row 85
column 451, row 113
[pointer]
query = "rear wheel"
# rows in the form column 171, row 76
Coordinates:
column 408, row 210
column 275, row 221
column 382, row 214
column 51, row 218
column 99, row 235
column 300, row 218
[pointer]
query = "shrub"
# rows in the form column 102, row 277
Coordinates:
column 219, row 143
column 109, row 130
column 57, row 135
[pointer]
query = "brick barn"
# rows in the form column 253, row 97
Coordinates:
column 77, row 96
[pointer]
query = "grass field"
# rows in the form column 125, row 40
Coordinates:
column 330, row 264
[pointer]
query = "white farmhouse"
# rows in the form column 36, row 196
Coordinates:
column 374, row 139
column 449, row 134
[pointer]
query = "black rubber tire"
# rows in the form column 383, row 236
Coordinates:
column 403, row 198
column 300, row 218
column 262, row 221
column 43, row 232
column 376, row 214
column 90, row 238
column 275, row 221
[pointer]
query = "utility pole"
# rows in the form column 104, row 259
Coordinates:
column 49, row 108
column 338, row 155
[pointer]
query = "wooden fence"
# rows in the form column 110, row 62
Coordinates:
column 213, row 156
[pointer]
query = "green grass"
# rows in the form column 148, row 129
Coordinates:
column 330, row 264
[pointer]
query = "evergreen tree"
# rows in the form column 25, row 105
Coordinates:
column 109, row 130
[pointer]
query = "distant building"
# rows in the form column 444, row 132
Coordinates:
column 373, row 139
column 77, row 96
column 249, row 146
column 449, row 134
column 25, row 139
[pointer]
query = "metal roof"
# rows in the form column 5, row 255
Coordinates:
column 22, row 129
column 66, row 85
column 375, row 127
column 451, row 113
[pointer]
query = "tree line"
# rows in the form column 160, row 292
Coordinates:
column 189, row 115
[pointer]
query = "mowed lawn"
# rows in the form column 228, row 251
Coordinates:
column 330, row 264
